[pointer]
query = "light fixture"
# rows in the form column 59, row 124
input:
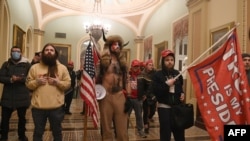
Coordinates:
column 95, row 26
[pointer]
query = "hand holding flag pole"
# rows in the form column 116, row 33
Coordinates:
column 192, row 63
column 95, row 45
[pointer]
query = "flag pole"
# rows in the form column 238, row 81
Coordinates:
column 85, row 122
column 192, row 63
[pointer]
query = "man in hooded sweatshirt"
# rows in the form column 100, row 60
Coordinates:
column 168, row 91
column 15, row 95
column 48, row 81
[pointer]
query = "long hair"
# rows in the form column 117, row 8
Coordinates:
column 51, row 62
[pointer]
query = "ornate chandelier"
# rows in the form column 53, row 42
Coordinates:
column 95, row 27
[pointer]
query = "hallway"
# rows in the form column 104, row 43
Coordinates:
column 73, row 128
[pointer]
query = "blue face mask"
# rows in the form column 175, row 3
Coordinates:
column 16, row 55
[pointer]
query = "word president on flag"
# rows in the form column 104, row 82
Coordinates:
column 113, row 77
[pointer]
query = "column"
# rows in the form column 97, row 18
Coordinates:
column 38, row 39
column 139, row 47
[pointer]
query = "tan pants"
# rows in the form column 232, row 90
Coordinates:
column 111, row 109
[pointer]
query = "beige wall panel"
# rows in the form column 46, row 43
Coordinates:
column 248, row 27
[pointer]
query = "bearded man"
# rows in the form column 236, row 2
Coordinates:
column 48, row 80
column 15, row 95
column 113, row 77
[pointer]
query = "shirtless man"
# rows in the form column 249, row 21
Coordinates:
column 113, row 73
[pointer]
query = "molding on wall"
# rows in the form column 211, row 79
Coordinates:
column 39, row 32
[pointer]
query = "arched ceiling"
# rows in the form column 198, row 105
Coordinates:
column 132, row 13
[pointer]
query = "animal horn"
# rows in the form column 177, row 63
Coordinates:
column 103, row 35
column 125, row 44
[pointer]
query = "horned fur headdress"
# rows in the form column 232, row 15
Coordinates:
column 111, row 39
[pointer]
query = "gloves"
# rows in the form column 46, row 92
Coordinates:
column 128, row 105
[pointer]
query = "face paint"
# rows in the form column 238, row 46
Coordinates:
column 115, row 46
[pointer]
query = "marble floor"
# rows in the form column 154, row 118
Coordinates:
column 73, row 128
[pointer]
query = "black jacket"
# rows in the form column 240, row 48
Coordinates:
column 144, row 84
column 15, row 94
column 161, row 89
column 73, row 78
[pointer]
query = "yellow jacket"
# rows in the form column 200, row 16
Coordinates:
column 47, row 96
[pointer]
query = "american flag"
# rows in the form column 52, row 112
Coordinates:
column 87, row 90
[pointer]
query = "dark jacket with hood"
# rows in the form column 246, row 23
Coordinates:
column 161, row 89
column 144, row 83
column 15, row 94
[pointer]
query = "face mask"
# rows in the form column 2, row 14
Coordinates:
column 16, row 55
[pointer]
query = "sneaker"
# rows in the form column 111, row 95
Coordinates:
column 146, row 130
column 142, row 134
column 68, row 113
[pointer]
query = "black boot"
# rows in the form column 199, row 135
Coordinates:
column 146, row 130
column 24, row 138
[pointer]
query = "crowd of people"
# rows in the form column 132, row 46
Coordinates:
column 48, row 87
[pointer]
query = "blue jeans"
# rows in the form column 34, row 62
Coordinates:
column 55, row 117
column 137, row 107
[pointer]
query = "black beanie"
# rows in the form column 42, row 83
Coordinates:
column 245, row 55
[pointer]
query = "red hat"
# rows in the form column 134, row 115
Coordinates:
column 135, row 63
column 71, row 63
column 149, row 61
column 167, row 52
column 142, row 64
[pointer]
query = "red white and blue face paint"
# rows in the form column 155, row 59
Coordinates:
column 115, row 46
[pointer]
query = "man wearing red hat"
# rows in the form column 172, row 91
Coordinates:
column 135, row 98
column 142, row 65
column 168, row 91
column 70, row 92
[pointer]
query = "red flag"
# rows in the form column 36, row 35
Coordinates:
column 87, row 90
column 222, row 89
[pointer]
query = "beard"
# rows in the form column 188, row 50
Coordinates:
column 49, row 59
column 115, row 52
